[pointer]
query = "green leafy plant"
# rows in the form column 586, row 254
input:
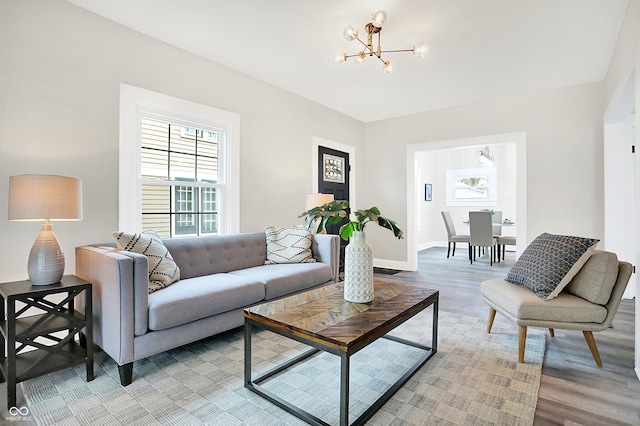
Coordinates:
column 328, row 214
column 334, row 212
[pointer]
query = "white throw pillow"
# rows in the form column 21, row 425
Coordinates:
column 288, row 245
column 162, row 268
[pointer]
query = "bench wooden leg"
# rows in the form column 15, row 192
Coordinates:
column 588, row 336
column 552, row 333
column 492, row 316
column 522, row 341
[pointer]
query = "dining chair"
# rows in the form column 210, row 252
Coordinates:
column 503, row 242
column 452, row 236
column 481, row 234
column 496, row 220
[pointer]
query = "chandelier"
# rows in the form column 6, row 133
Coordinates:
column 485, row 157
column 378, row 19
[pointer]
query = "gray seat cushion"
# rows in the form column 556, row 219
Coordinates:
column 201, row 297
column 281, row 279
column 521, row 303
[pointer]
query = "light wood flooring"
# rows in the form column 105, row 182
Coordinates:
column 573, row 390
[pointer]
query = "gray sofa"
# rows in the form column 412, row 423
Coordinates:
column 219, row 277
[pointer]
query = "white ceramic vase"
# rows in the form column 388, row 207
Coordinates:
column 358, row 270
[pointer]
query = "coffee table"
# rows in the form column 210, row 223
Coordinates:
column 322, row 319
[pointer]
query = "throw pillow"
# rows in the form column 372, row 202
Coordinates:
column 547, row 265
column 162, row 268
column 595, row 281
column 288, row 245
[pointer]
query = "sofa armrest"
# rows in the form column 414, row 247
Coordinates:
column 326, row 249
column 119, row 307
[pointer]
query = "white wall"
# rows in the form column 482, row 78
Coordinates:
column 60, row 71
column 563, row 159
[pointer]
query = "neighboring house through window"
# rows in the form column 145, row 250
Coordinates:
column 178, row 166
column 472, row 187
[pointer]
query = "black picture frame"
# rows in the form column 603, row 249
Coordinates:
column 428, row 194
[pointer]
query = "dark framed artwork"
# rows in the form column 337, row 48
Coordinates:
column 427, row 192
column 333, row 168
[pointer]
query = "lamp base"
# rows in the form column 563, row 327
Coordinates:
column 46, row 259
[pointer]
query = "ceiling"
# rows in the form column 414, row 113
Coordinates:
column 478, row 49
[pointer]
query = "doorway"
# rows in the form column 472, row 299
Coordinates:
column 620, row 180
column 333, row 173
column 415, row 187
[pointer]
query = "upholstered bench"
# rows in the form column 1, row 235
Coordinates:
column 588, row 303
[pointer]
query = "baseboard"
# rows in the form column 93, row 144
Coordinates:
column 391, row 264
column 430, row 244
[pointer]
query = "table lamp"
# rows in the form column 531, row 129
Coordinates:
column 316, row 200
column 45, row 198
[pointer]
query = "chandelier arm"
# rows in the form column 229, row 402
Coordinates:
column 396, row 51
column 362, row 42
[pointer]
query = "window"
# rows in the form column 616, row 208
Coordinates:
column 178, row 171
column 472, row 187
column 172, row 155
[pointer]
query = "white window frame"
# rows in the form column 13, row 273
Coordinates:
column 492, row 184
column 136, row 103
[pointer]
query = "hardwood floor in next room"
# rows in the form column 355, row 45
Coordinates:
column 573, row 390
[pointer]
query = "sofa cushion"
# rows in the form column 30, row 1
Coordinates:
column 596, row 279
column 521, row 303
column 288, row 245
column 162, row 268
column 200, row 297
column 217, row 253
column 548, row 264
column 282, row 279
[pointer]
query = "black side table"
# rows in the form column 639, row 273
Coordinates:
column 39, row 351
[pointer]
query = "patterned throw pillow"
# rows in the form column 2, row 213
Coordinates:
column 550, row 262
column 288, row 245
column 162, row 268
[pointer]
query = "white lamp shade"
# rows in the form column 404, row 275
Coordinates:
column 40, row 197
column 316, row 200
column 45, row 198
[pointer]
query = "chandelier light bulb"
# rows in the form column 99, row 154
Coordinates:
column 360, row 57
column 420, row 50
column 387, row 67
column 350, row 33
column 340, row 58
column 379, row 18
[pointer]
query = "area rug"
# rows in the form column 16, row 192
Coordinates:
column 474, row 378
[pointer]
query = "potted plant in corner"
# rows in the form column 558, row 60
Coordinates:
column 358, row 269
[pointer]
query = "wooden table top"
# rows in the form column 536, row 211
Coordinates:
column 323, row 316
